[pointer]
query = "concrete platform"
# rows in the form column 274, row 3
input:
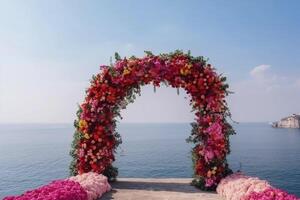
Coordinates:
column 160, row 189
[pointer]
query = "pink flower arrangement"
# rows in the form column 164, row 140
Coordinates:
column 241, row 187
column 271, row 194
column 88, row 186
column 94, row 184
column 115, row 86
column 58, row 190
column 237, row 186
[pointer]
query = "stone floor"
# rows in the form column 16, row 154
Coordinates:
column 160, row 189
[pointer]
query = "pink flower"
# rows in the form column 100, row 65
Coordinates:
column 208, row 154
column 81, row 153
column 58, row 190
column 237, row 186
column 216, row 130
column 240, row 187
column 88, row 186
column 209, row 182
column 94, row 184
column 271, row 194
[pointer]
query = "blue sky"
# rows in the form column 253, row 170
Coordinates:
column 50, row 49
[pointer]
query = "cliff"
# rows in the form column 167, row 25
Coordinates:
column 288, row 122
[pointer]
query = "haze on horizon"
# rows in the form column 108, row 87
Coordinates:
column 50, row 49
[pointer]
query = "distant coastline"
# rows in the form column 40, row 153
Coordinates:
column 292, row 121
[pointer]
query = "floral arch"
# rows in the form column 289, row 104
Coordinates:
column 96, row 139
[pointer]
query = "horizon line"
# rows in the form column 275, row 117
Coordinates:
column 171, row 122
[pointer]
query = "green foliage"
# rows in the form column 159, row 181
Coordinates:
column 117, row 56
column 199, row 182
column 74, row 146
column 148, row 53
column 111, row 173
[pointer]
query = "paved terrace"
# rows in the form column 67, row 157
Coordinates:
column 157, row 189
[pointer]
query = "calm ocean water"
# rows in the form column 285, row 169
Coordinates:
column 33, row 155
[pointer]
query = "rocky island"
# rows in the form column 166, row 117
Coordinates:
column 292, row 121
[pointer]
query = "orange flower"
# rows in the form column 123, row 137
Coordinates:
column 82, row 125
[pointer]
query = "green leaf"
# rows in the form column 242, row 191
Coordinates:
column 117, row 56
column 148, row 53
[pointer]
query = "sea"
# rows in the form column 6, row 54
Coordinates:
column 35, row 154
